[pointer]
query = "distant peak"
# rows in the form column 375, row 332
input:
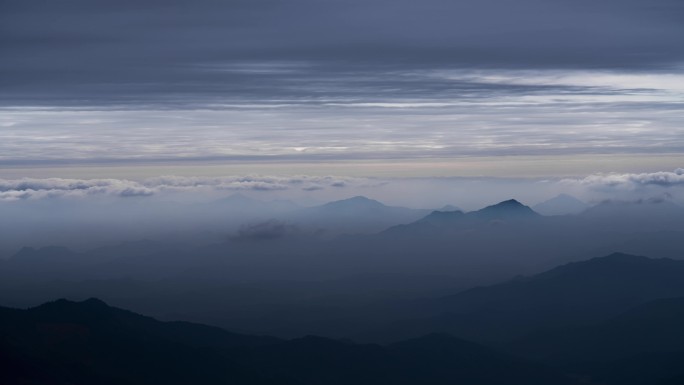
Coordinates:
column 443, row 215
column 95, row 302
column 606, row 263
column 357, row 200
column 510, row 202
column 449, row 208
column 62, row 302
column 623, row 257
column 507, row 209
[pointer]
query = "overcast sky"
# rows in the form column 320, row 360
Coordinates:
column 371, row 87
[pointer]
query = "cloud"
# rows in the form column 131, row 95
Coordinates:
column 135, row 191
column 34, row 188
column 250, row 182
column 73, row 53
column 311, row 80
column 272, row 229
column 626, row 181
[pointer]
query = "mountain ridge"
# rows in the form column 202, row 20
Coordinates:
column 90, row 342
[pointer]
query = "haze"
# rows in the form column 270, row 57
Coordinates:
column 335, row 192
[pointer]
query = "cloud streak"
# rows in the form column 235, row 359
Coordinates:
column 626, row 181
column 34, row 188
column 340, row 80
column 74, row 53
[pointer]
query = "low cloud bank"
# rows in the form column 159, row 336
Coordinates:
column 32, row 188
column 630, row 181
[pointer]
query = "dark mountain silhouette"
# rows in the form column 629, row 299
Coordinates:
column 644, row 345
column 562, row 204
column 654, row 327
column 64, row 342
column 440, row 218
column 88, row 342
column 570, row 295
column 677, row 380
column 446, row 359
column 510, row 209
column 439, row 222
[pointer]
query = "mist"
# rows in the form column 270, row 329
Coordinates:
column 88, row 213
column 235, row 251
column 341, row 192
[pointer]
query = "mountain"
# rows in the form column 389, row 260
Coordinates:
column 644, row 345
column 449, row 208
column 439, row 222
column 355, row 215
column 562, row 204
column 442, row 356
column 510, row 209
column 570, row 295
column 88, row 342
column 654, row 327
column 441, row 218
column 354, row 203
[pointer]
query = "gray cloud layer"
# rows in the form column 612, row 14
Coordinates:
column 626, row 181
column 469, row 193
column 308, row 80
column 34, row 188
column 176, row 51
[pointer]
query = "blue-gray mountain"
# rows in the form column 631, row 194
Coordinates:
column 84, row 343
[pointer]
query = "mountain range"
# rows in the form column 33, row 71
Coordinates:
column 64, row 342
column 570, row 295
column 613, row 320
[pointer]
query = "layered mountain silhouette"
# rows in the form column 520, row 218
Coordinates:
column 644, row 345
column 654, row 327
column 510, row 209
column 88, row 342
column 358, row 214
column 438, row 221
column 570, row 295
column 613, row 320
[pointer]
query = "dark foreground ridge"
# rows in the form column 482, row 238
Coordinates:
column 614, row 320
column 89, row 342
column 570, row 295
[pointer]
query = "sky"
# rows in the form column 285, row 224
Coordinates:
column 132, row 90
